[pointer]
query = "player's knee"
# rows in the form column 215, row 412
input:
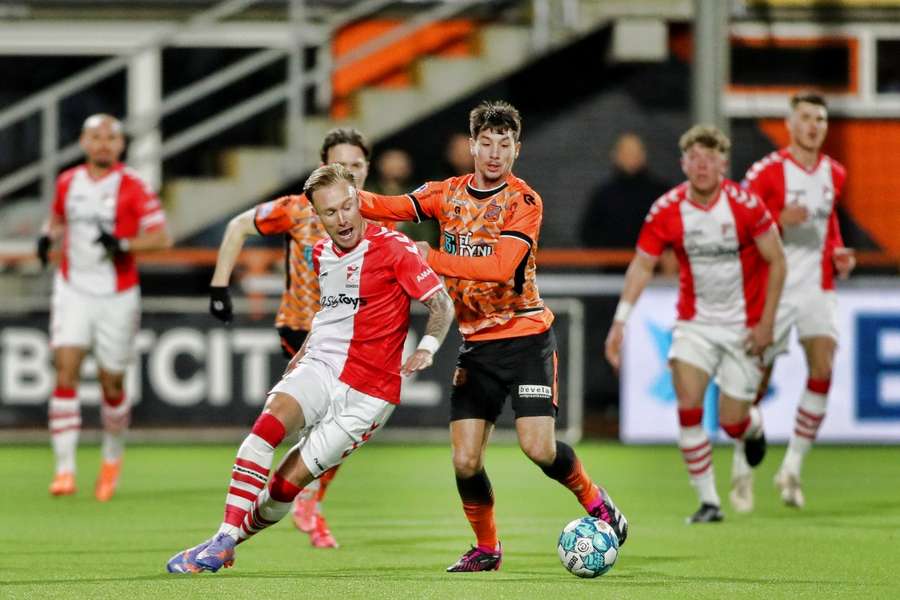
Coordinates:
column 467, row 463
column 540, row 452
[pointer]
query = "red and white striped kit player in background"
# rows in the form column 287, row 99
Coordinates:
column 732, row 270
column 344, row 383
column 800, row 186
column 102, row 213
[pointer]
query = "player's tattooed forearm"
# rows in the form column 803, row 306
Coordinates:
column 440, row 315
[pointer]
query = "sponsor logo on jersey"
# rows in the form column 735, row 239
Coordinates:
column 493, row 212
column 353, row 276
column 423, row 275
column 535, row 391
column 461, row 244
column 333, row 301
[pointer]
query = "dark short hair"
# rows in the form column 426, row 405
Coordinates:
column 707, row 136
column 497, row 116
column 325, row 176
column 344, row 135
column 809, row 97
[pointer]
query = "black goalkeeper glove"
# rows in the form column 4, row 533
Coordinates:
column 43, row 249
column 113, row 245
column 220, row 303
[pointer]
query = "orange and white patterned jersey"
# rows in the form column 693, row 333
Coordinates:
column 499, row 229
column 294, row 217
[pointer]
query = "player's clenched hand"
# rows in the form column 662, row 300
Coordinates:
column 761, row 337
column 614, row 344
column 844, row 261
column 43, row 249
column 220, row 303
column 113, row 245
column 793, row 214
column 424, row 249
column 420, row 360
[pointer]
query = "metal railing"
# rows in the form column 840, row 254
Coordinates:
column 144, row 125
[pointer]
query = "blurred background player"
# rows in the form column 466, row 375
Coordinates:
column 343, row 385
column 490, row 223
column 102, row 213
column 732, row 271
column 295, row 218
column 801, row 185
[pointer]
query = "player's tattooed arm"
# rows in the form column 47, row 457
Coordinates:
column 440, row 316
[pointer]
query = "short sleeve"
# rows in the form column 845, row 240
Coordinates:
column 146, row 203
column 59, row 199
column 652, row 238
column 274, row 217
column 759, row 218
column 413, row 274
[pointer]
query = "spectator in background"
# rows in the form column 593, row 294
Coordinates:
column 458, row 155
column 616, row 209
column 394, row 168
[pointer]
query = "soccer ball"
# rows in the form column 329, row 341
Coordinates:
column 588, row 547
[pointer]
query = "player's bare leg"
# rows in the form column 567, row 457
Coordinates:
column 741, row 494
column 811, row 410
column 115, row 415
column 537, row 438
column 64, row 418
column 690, row 386
column 469, row 439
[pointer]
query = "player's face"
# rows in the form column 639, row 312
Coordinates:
column 494, row 155
column 353, row 158
column 338, row 208
column 808, row 125
column 103, row 143
column 704, row 167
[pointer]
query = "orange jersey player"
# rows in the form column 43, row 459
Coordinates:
column 490, row 222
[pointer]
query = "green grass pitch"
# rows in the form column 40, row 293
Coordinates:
column 395, row 511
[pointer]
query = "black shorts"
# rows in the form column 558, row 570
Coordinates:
column 291, row 340
column 523, row 368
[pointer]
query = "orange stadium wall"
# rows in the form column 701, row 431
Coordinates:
column 870, row 149
column 390, row 66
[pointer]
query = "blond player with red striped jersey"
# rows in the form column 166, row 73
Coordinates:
column 801, row 185
column 732, row 271
column 342, row 386
column 293, row 217
column 103, row 212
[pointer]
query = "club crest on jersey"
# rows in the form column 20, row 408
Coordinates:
column 353, row 276
column 461, row 245
column 493, row 212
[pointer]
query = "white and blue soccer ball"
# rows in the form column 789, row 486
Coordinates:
column 588, row 547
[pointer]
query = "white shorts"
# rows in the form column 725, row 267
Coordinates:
column 339, row 419
column 720, row 352
column 106, row 324
column 812, row 312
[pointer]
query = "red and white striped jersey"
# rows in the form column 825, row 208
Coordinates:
column 364, row 316
column 121, row 203
column 722, row 274
column 779, row 180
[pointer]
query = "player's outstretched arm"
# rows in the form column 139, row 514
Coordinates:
column 237, row 231
column 763, row 333
column 440, row 316
column 499, row 267
column 638, row 275
column 389, row 208
column 155, row 239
